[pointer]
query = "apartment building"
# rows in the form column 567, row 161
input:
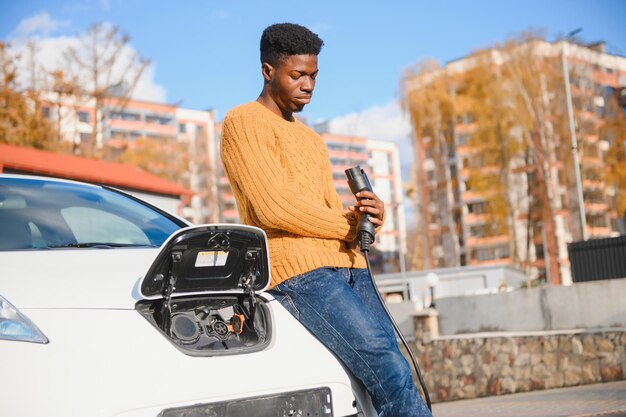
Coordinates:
column 459, row 228
column 185, row 136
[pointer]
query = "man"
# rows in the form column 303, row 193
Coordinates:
column 280, row 172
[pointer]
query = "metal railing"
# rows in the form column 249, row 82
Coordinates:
column 598, row 259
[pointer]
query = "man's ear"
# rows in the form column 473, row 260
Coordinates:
column 267, row 70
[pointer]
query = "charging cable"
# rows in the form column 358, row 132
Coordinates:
column 358, row 181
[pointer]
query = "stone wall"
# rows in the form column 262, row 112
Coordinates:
column 460, row 367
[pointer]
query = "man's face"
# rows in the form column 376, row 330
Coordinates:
column 291, row 83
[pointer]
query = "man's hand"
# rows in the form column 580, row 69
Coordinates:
column 369, row 203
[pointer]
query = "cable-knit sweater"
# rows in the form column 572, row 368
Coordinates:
column 282, row 179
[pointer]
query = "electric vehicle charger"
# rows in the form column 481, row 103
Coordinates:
column 358, row 181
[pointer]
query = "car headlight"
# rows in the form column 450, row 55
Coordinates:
column 314, row 403
column 16, row 326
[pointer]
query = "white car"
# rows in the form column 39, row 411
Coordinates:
column 112, row 307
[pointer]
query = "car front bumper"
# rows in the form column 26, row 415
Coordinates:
column 114, row 363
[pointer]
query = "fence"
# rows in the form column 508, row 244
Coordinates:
column 598, row 259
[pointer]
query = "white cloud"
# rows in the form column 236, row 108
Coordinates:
column 321, row 27
column 387, row 122
column 106, row 5
column 220, row 14
column 50, row 52
column 40, row 24
column 147, row 89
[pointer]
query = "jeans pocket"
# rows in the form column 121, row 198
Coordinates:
column 285, row 300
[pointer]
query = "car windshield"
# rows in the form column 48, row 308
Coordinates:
column 46, row 214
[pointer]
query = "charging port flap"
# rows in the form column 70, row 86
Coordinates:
column 209, row 259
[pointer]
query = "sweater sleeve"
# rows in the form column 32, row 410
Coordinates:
column 252, row 162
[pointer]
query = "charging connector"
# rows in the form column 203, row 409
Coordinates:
column 358, row 181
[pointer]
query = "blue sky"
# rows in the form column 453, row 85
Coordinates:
column 205, row 53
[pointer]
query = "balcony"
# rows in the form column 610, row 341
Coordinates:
column 599, row 231
column 475, row 241
column 596, row 207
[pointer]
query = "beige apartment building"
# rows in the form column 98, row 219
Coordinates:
column 454, row 214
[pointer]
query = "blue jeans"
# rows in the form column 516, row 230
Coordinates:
column 339, row 306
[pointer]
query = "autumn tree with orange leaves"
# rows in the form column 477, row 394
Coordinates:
column 22, row 122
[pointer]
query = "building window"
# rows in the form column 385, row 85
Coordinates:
column 463, row 139
column 335, row 147
column 124, row 116
column 83, row 116
column 490, row 254
column 119, row 134
column 182, row 128
column 501, row 252
column 477, row 231
column 592, row 174
column 594, row 196
column 158, row 120
column 476, row 208
column 432, row 195
column 596, row 220
column 600, row 111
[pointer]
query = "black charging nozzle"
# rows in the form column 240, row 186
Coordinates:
column 358, row 181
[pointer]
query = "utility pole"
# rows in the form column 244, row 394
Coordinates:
column 572, row 131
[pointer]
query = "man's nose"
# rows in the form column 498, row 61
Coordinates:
column 308, row 84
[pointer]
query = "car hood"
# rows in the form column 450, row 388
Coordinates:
column 194, row 260
column 74, row 278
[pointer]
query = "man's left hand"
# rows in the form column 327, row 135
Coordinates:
column 369, row 203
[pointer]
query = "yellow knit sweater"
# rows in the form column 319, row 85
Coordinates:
column 281, row 176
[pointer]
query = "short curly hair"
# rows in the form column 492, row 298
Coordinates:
column 284, row 39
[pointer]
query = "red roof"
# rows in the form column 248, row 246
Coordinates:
column 95, row 171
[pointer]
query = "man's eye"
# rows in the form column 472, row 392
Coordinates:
column 295, row 76
column 314, row 76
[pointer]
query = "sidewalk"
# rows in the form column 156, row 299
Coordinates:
column 607, row 400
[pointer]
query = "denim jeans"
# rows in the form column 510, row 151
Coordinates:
column 339, row 306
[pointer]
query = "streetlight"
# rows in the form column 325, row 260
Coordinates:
column 572, row 133
column 432, row 280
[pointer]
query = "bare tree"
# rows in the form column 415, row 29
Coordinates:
column 104, row 66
